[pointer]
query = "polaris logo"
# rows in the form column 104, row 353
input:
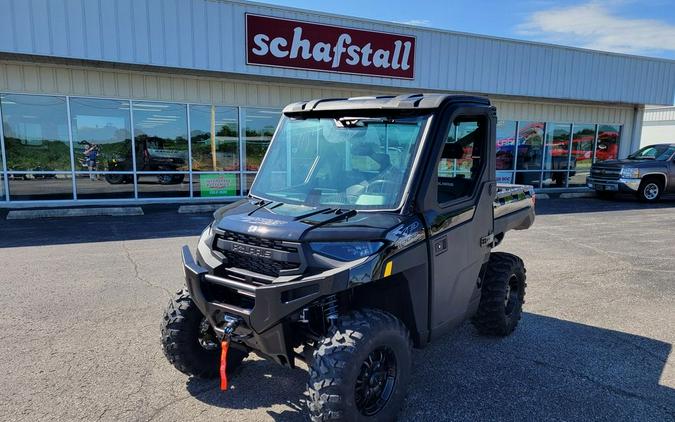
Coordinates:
column 251, row 250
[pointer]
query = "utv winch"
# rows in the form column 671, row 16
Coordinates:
column 367, row 231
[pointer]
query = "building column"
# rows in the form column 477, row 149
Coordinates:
column 636, row 132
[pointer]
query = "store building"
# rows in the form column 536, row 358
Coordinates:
column 172, row 100
column 658, row 126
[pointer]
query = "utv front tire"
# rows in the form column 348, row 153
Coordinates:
column 360, row 371
column 502, row 295
column 182, row 329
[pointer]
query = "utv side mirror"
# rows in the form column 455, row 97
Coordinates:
column 452, row 151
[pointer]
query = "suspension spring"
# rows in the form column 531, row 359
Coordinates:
column 330, row 309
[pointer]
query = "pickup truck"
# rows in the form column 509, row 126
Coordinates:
column 647, row 173
column 368, row 231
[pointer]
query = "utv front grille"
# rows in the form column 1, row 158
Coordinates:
column 258, row 255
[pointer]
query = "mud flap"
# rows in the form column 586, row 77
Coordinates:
column 224, row 345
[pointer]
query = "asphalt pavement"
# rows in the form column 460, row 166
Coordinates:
column 82, row 300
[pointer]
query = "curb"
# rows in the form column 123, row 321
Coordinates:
column 199, row 208
column 570, row 195
column 73, row 212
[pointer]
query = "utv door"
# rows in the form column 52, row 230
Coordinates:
column 458, row 211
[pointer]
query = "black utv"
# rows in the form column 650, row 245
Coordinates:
column 368, row 231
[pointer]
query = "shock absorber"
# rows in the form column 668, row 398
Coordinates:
column 330, row 309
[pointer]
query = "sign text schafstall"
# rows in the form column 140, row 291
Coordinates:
column 288, row 43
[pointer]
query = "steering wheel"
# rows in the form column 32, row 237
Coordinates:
column 380, row 182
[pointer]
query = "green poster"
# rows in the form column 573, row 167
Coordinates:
column 212, row 185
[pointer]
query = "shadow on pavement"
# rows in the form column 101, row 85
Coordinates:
column 154, row 224
column 549, row 369
column 585, row 205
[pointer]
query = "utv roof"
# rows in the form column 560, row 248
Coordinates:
column 385, row 102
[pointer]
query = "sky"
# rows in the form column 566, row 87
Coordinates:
column 641, row 27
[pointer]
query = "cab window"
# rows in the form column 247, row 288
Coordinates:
column 461, row 160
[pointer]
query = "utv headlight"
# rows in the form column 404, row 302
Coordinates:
column 346, row 251
column 630, row 173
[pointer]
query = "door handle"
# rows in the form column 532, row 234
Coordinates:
column 441, row 245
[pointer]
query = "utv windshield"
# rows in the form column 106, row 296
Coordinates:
column 349, row 162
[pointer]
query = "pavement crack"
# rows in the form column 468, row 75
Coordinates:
column 137, row 274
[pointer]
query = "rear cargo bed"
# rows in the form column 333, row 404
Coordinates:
column 513, row 208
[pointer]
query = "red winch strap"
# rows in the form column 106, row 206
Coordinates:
column 223, row 364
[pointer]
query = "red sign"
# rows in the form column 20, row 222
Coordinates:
column 302, row 45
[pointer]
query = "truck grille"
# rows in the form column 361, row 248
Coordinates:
column 258, row 255
column 605, row 173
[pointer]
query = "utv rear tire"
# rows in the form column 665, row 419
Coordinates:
column 180, row 331
column 366, row 345
column 502, row 295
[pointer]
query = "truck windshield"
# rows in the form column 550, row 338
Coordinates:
column 653, row 152
column 349, row 162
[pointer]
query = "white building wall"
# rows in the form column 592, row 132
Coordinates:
column 210, row 35
column 658, row 126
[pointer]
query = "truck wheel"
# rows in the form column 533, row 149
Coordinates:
column 361, row 370
column 650, row 190
column 502, row 295
column 189, row 342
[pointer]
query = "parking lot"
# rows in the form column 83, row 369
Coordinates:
column 83, row 297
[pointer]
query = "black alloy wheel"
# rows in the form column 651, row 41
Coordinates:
column 376, row 382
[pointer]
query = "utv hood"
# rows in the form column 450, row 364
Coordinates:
column 289, row 222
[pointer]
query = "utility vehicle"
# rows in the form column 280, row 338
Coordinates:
column 367, row 231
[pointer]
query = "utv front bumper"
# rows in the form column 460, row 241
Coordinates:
column 261, row 309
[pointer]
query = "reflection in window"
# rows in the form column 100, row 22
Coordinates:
column 160, row 131
column 163, row 185
column 506, row 144
column 556, row 154
column 250, row 177
column 530, row 145
column 40, row 187
column 458, row 168
column 214, row 137
column 105, row 186
column 259, row 126
column 36, row 132
column 582, row 147
column 101, row 134
column 608, row 142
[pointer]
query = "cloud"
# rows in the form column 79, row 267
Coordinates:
column 593, row 25
column 415, row 22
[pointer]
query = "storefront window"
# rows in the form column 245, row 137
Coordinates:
column 160, row 131
column 250, row 177
column 557, row 154
column 608, row 142
column 259, row 126
column 583, row 139
column 506, row 144
column 40, row 187
column 530, row 145
column 101, row 134
column 163, row 185
column 215, row 138
column 36, row 132
column 104, row 185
